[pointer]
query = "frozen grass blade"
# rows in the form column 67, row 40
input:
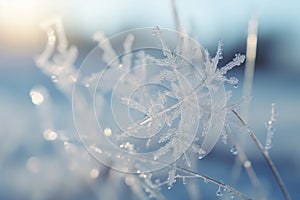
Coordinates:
column 177, row 21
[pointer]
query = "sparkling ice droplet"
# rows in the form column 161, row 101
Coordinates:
column 234, row 150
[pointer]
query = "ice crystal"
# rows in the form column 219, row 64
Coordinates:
column 171, row 103
column 171, row 99
column 174, row 66
column 270, row 127
column 58, row 58
column 172, row 177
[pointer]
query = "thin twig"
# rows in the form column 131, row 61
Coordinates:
column 266, row 157
column 204, row 177
column 219, row 183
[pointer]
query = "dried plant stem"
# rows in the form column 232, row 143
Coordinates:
column 266, row 157
column 209, row 179
column 177, row 21
column 206, row 178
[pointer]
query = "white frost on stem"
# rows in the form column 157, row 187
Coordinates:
column 270, row 127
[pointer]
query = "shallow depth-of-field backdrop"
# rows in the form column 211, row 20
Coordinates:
column 34, row 168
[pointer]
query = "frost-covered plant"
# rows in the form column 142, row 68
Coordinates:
column 151, row 108
column 173, row 139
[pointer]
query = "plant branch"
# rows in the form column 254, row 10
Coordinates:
column 266, row 157
column 205, row 177
column 219, row 183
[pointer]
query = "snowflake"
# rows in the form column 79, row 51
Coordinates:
column 166, row 106
column 188, row 99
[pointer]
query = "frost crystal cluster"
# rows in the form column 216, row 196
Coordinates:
column 156, row 101
column 161, row 95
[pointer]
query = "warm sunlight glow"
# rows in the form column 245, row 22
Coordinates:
column 20, row 19
column 18, row 12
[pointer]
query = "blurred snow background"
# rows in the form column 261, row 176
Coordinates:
column 277, row 80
